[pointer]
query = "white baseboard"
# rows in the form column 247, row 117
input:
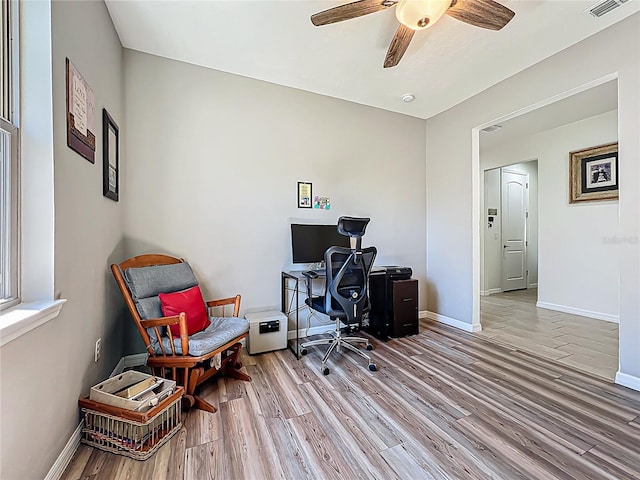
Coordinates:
column 307, row 332
column 491, row 291
column 129, row 361
column 467, row 327
column 136, row 360
column 63, row 460
column 118, row 369
column 533, row 285
column 578, row 311
column 628, row 381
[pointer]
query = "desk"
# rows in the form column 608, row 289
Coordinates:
column 292, row 280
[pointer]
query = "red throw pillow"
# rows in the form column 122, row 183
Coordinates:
column 190, row 302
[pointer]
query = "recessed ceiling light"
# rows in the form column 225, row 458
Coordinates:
column 492, row 128
column 408, row 97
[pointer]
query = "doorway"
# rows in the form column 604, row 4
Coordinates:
column 510, row 234
column 570, row 314
column 514, row 186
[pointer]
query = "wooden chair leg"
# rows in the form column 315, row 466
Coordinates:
column 195, row 375
column 188, row 401
column 233, row 366
column 234, row 373
column 202, row 404
column 196, row 401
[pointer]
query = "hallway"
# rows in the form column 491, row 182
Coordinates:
column 512, row 318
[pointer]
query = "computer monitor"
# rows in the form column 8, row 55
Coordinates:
column 309, row 242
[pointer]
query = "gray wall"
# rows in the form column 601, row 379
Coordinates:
column 453, row 233
column 216, row 161
column 45, row 371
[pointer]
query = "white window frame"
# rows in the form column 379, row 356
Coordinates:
column 9, row 241
column 10, row 138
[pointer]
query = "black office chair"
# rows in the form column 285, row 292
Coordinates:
column 345, row 298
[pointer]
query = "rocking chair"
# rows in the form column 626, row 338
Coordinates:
column 189, row 359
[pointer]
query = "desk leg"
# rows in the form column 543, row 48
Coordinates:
column 297, row 317
column 285, row 309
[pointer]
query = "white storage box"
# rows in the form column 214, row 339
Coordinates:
column 157, row 390
column 267, row 331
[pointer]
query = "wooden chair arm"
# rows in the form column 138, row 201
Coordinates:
column 226, row 301
column 180, row 320
column 161, row 321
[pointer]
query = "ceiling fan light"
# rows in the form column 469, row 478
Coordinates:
column 421, row 14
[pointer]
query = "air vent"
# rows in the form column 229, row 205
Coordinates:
column 602, row 8
column 492, row 128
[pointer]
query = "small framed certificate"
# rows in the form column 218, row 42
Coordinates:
column 304, row 195
column 80, row 114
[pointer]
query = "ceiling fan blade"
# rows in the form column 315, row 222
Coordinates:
column 481, row 13
column 350, row 10
column 398, row 46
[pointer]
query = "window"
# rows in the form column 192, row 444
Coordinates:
column 28, row 205
column 9, row 148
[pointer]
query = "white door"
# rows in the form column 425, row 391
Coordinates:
column 514, row 201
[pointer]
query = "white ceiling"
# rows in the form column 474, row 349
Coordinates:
column 274, row 41
column 594, row 101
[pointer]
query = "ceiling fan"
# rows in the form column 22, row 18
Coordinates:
column 416, row 15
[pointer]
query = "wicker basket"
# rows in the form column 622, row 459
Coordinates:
column 134, row 435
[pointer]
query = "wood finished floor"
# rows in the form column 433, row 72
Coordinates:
column 444, row 405
column 512, row 318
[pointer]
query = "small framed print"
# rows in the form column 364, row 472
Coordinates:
column 110, row 157
column 304, row 195
column 593, row 174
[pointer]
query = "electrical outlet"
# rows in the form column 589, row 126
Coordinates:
column 96, row 356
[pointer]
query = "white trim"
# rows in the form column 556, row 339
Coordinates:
column 136, row 360
column 533, row 285
column 423, row 314
column 628, row 381
column 467, row 327
column 578, row 311
column 118, row 369
column 291, row 334
column 129, row 361
column 491, row 291
column 23, row 318
column 316, row 330
column 63, row 460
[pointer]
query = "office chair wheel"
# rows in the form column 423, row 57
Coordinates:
column 304, row 351
column 372, row 367
column 369, row 346
column 325, row 371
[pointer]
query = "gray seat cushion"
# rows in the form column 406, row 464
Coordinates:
column 221, row 331
column 145, row 283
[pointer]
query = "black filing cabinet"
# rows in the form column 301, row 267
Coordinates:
column 405, row 308
column 394, row 302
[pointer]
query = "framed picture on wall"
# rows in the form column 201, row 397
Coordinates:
column 304, row 195
column 110, row 157
column 80, row 114
column 593, row 174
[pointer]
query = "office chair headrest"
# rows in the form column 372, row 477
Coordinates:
column 352, row 226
